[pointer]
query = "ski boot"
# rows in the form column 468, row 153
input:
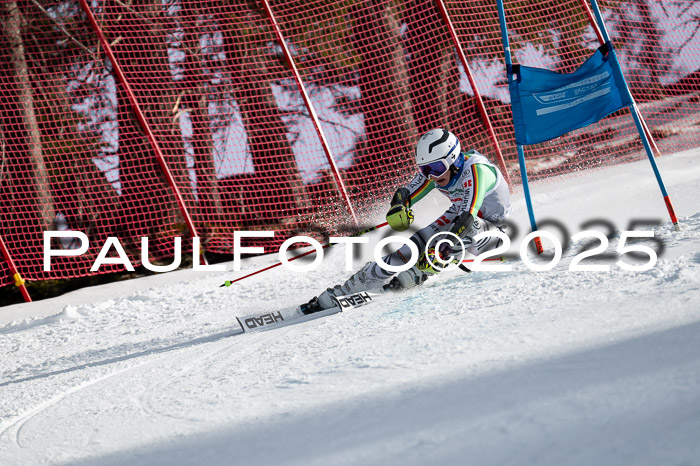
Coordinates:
column 311, row 307
column 365, row 279
column 407, row 279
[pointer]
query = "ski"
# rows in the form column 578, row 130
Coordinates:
column 280, row 318
column 294, row 315
column 355, row 300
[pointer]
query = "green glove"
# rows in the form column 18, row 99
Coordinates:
column 399, row 217
column 463, row 226
column 425, row 265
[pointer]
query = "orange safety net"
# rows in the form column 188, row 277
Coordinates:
column 212, row 82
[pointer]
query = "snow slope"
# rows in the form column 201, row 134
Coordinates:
column 516, row 367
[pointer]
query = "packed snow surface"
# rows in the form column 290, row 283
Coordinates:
column 502, row 367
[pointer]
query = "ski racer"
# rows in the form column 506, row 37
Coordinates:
column 480, row 202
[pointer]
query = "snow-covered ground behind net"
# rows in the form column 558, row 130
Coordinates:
column 517, row 367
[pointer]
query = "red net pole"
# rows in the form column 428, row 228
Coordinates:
column 479, row 101
column 19, row 281
column 591, row 19
column 142, row 121
column 601, row 39
column 312, row 112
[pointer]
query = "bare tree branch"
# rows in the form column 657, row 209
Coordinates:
column 687, row 7
column 692, row 35
column 64, row 30
column 128, row 7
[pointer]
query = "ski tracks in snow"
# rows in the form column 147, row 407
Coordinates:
column 115, row 371
column 171, row 382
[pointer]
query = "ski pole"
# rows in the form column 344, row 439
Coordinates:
column 228, row 283
column 464, row 268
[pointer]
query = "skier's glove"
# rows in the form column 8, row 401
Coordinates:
column 463, row 226
column 400, row 215
column 430, row 264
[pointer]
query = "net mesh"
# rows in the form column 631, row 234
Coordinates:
column 229, row 120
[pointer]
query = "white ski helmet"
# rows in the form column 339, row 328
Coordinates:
column 436, row 151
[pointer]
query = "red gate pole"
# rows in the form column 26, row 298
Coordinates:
column 19, row 281
column 310, row 107
column 144, row 124
column 599, row 34
column 479, row 101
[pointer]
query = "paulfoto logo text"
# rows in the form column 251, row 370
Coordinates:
column 436, row 242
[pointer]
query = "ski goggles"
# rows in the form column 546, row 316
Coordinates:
column 439, row 167
column 435, row 169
